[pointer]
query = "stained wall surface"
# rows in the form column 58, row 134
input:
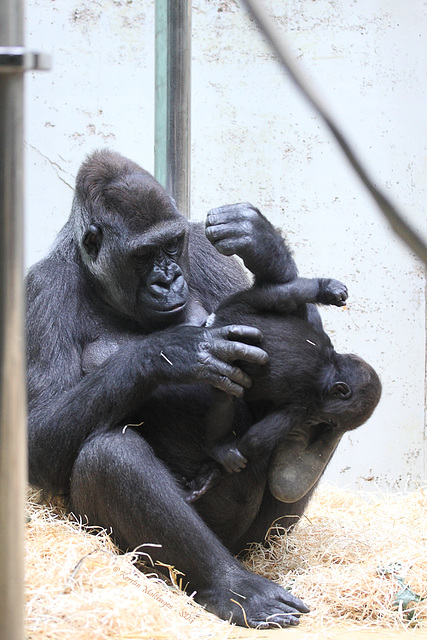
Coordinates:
column 254, row 139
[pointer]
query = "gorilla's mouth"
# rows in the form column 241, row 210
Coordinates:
column 170, row 303
column 168, row 313
column 176, row 308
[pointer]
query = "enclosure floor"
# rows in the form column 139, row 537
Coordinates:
column 348, row 559
column 338, row 633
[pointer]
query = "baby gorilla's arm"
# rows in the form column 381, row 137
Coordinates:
column 286, row 298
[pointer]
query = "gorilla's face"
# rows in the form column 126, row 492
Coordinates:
column 143, row 276
column 136, row 249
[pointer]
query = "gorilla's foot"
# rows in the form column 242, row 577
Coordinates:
column 252, row 601
column 300, row 459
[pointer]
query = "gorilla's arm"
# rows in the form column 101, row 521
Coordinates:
column 242, row 230
column 286, row 298
column 282, row 298
column 212, row 275
column 65, row 406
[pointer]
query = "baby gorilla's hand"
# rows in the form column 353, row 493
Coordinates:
column 229, row 457
column 332, row 292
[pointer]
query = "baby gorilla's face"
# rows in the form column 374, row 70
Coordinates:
column 351, row 400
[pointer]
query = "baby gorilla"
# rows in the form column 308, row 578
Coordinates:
column 301, row 402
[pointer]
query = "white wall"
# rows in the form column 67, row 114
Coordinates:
column 254, row 139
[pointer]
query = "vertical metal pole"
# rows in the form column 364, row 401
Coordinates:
column 172, row 148
column 13, row 443
column 14, row 61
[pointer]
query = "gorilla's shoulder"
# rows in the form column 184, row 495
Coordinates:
column 57, row 279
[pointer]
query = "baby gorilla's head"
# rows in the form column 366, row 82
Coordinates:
column 352, row 396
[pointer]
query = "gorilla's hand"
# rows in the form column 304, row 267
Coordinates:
column 242, row 230
column 198, row 354
column 332, row 292
column 238, row 229
column 229, row 456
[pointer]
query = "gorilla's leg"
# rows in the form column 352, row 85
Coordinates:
column 273, row 513
column 118, row 482
column 296, row 467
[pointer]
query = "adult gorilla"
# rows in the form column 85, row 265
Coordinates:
column 115, row 335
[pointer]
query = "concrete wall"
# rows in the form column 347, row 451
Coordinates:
column 254, row 139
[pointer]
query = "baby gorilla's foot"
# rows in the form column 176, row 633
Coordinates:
column 208, row 476
column 332, row 292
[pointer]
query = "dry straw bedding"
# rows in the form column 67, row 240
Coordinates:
column 80, row 587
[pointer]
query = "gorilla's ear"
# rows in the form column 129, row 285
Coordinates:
column 340, row 390
column 92, row 240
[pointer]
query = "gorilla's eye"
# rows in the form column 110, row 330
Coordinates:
column 172, row 247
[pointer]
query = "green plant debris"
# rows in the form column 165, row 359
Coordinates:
column 405, row 597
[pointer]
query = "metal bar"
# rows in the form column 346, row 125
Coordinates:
column 396, row 220
column 14, row 60
column 13, row 444
column 172, row 146
column 18, row 59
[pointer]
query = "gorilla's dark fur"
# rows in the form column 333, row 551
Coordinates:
column 305, row 398
column 116, row 335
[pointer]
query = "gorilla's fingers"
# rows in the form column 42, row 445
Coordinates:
column 221, row 231
column 235, row 374
column 222, row 375
column 232, row 246
column 229, row 347
column 225, row 384
column 295, row 602
column 230, row 213
column 237, row 229
column 332, row 292
column 248, row 353
column 276, row 620
column 238, row 331
column 232, row 460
